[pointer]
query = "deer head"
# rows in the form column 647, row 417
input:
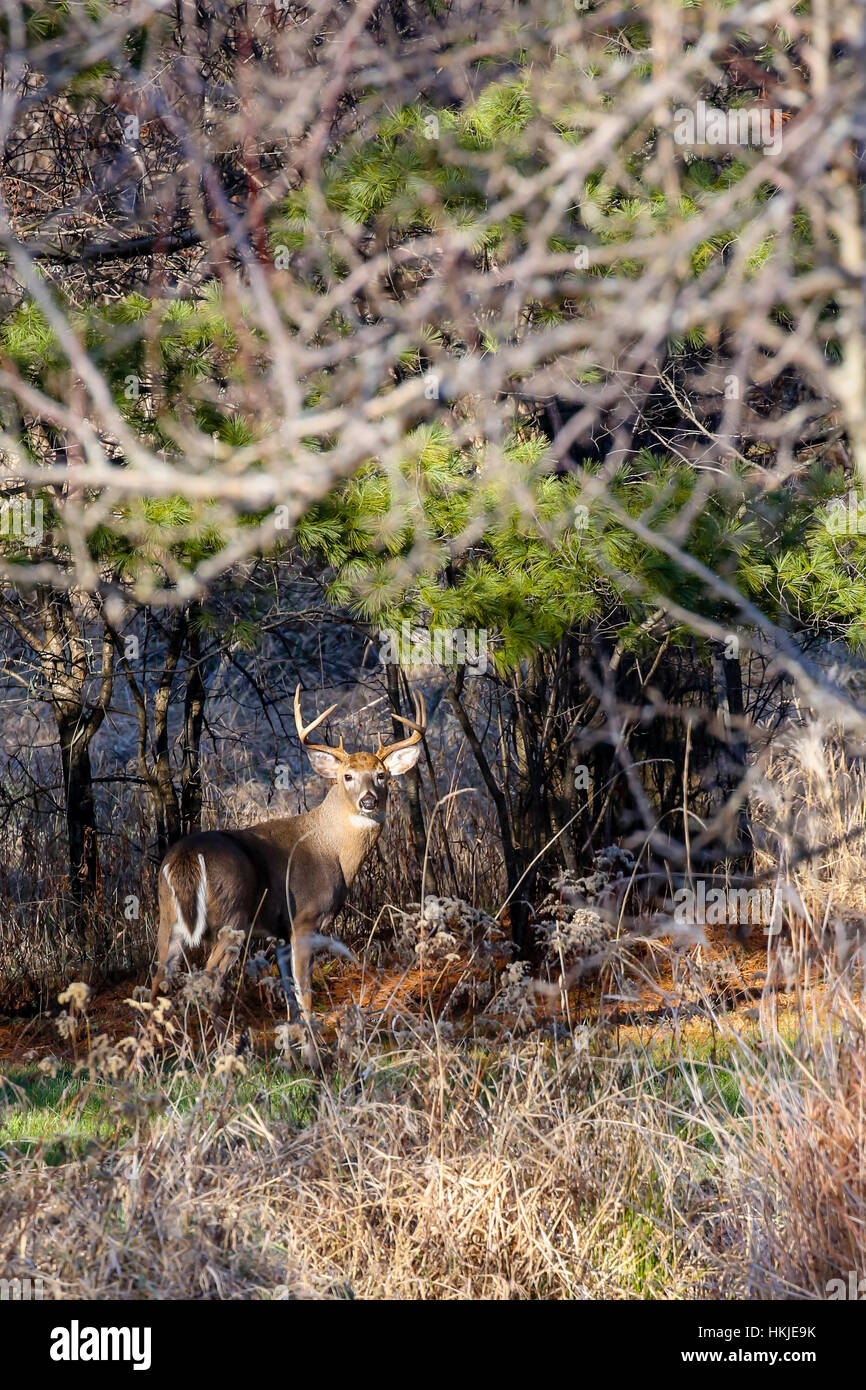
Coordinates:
column 362, row 779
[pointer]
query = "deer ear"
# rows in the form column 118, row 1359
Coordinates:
column 324, row 763
column 402, row 759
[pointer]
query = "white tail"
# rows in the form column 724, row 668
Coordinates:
column 191, row 935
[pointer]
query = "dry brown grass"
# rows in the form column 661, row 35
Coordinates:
column 426, row 1172
column 723, row 1155
column 799, row 1165
column 541, row 1167
column 810, row 811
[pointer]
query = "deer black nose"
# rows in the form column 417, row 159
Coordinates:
column 368, row 802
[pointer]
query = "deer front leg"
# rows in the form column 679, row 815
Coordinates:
column 284, row 961
column 295, row 963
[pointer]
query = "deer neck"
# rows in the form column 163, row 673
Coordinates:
column 349, row 837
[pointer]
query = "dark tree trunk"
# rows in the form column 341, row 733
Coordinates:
column 521, row 939
column 80, row 807
column 729, row 682
column 413, row 783
column 193, row 722
column 168, row 815
column 175, row 815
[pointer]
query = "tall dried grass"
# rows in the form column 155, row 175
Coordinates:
column 541, row 1167
column 809, row 811
column 428, row 1171
column 722, row 1157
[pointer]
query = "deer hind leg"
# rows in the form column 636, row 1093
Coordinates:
column 224, row 954
column 217, row 966
column 168, row 950
column 166, row 966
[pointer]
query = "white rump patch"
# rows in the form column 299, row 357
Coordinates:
column 193, row 936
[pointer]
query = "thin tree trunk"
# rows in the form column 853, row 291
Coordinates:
column 193, row 722
column 63, row 656
column 168, row 822
column 729, row 684
column 72, row 731
column 520, row 935
column 413, row 783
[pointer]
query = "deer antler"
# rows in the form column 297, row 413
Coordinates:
column 418, row 725
column 304, row 732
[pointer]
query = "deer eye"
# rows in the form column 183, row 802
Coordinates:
column 347, row 777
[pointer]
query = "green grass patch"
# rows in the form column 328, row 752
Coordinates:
column 63, row 1116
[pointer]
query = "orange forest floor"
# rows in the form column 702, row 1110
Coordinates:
column 733, row 976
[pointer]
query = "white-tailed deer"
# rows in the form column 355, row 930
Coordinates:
column 288, row 877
